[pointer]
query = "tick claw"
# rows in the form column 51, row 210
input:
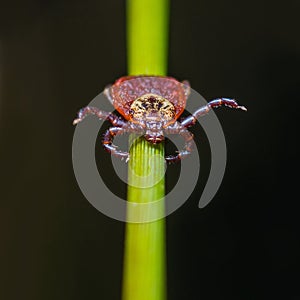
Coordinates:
column 76, row 121
column 242, row 108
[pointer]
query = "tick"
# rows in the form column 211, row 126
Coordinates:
column 150, row 105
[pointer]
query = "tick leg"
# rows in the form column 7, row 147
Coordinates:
column 107, row 142
column 109, row 135
column 188, row 138
column 103, row 115
column 191, row 120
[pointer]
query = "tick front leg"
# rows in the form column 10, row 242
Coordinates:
column 191, row 120
column 103, row 115
column 188, row 138
column 107, row 142
column 110, row 134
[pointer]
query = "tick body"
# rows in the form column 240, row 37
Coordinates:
column 150, row 105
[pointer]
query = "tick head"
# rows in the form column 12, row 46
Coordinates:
column 154, row 132
column 154, row 137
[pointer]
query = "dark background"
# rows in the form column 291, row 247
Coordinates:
column 55, row 56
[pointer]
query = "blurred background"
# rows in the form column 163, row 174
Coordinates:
column 56, row 56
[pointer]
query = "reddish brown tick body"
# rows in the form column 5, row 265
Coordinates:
column 150, row 105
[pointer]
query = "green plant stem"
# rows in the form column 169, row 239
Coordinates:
column 144, row 259
column 147, row 36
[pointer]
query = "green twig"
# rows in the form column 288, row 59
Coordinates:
column 144, row 259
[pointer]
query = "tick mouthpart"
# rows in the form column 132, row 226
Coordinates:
column 154, row 139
